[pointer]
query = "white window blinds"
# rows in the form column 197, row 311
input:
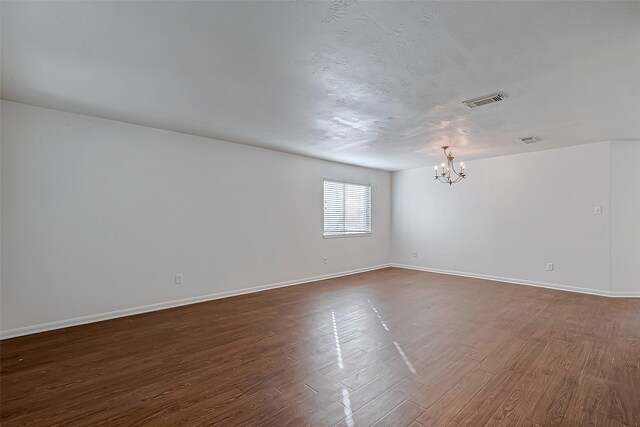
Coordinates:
column 347, row 208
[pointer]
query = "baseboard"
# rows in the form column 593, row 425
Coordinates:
column 625, row 294
column 524, row 282
column 43, row 327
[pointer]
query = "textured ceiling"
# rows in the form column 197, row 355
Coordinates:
column 376, row 84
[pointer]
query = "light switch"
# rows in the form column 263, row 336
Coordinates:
column 597, row 210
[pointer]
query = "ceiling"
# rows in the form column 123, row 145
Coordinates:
column 376, row 84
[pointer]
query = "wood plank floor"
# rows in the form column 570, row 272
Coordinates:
column 386, row 348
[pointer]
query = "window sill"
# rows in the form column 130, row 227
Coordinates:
column 341, row 235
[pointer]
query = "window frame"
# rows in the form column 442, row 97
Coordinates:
column 348, row 234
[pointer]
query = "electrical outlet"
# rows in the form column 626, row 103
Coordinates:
column 324, row 260
column 178, row 279
column 549, row 266
column 415, row 254
column 597, row 210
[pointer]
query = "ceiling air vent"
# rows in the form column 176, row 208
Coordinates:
column 530, row 139
column 487, row 99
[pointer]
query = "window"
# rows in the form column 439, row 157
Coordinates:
column 347, row 209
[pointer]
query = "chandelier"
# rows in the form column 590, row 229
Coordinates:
column 448, row 174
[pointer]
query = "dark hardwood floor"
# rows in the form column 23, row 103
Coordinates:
column 387, row 348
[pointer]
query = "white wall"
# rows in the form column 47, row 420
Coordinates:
column 625, row 220
column 98, row 216
column 510, row 217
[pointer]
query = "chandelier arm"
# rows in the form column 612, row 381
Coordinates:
column 447, row 180
column 454, row 169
